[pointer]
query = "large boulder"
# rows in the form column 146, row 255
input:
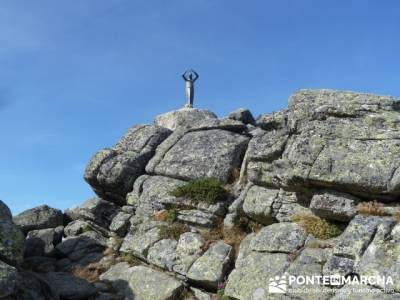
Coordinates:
column 43, row 241
column 201, row 153
column 70, row 287
column 98, row 211
column 334, row 205
column 184, row 117
column 343, row 140
column 243, row 115
column 40, row 217
column 111, row 172
column 142, row 283
column 12, row 240
column 8, row 279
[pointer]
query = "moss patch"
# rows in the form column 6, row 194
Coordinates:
column 207, row 189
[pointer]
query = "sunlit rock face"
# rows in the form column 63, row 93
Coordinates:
column 298, row 185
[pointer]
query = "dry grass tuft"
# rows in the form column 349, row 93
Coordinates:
column 232, row 237
column 320, row 228
column 371, row 208
column 396, row 215
column 173, row 231
column 169, row 215
column 90, row 273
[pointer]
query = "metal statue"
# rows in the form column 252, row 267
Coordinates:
column 190, row 76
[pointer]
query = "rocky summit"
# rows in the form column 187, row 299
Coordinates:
column 200, row 207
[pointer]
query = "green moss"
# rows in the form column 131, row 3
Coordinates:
column 320, row 228
column 173, row 231
column 207, row 189
column 87, row 228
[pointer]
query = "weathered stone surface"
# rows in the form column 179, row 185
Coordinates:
column 207, row 153
column 274, row 121
column 42, row 242
column 381, row 256
column 120, row 223
column 344, row 140
column 253, row 274
column 82, row 250
column 333, row 205
column 243, row 115
column 258, row 204
column 99, row 211
column 70, row 287
column 111, row 172
column 338, row 265
column 358, row 234
column 78, row 227
column 12, row 239
column 279, row 237
column 184, row 117
column 163, row 254
column 8, row 279
column 188, row 249
column 153, row 194
column 197, row 218
column 40, row 217
column 211, row 267
column 139, row 241
column 142, row 283
column 309, row 263
column 266, row 205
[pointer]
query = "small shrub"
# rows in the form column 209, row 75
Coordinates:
column 316, row 226
column 87, row 228
column 248, row 225
column 129, row 258
column 372, row 208
column 173, row 231
column 169, row 215
column 203, row 189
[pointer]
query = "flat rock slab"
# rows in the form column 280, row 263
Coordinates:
column 184, row 117
column 211, row 267
column 279, row 237
column 143, row 283
column 206, row 153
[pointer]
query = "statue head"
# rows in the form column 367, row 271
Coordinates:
column 190, row 75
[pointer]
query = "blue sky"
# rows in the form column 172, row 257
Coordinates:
column 75, row 75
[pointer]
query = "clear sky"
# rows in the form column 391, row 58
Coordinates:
column 75, row 75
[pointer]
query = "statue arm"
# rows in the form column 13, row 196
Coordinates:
column 196, row 76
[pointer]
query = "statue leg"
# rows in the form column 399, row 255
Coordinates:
column 189, row 96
